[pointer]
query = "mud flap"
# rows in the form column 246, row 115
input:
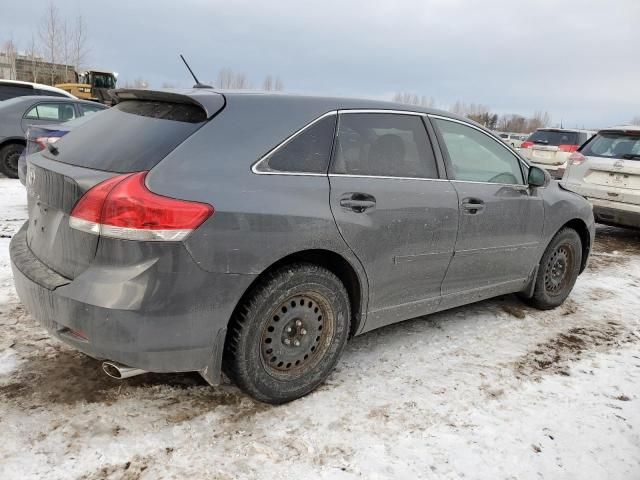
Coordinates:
column 212, row 372
column 531, row 284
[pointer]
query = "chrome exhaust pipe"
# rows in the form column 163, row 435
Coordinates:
column 120, row 372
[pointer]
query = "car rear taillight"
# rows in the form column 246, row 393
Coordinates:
column 44, row 141
column 123, row 207
column 526, row 144
column 568, row 148
column 576, row 158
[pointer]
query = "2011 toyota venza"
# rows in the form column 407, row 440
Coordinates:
column 255, row 233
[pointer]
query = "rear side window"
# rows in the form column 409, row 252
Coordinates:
column 307, row 152
column 555, row 138
column 132, row 136
column 48, row 93
column 57, row 112
column 614, row 145
column 383, row 144
column 90, row 109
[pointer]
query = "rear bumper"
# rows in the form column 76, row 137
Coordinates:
column 556, row 171
column 143, row 324
column 615, row 213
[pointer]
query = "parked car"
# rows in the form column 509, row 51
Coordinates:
column 255, row 233
column 17, row 114
column 606, row 170
column 513, row 139
column 550, row 148
column 39, row 137
column 15, row 88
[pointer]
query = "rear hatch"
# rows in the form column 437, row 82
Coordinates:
column 611, row 169
column 133, row 136
column 551, row 146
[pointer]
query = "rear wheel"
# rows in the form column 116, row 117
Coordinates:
column 9, row 155
column 558, row 271
column 288, row 335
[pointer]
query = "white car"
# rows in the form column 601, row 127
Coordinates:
column 550, row 148
column 606, row 171
column 513, row 139
column 16, row 88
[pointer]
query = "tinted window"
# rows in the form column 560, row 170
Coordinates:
column 90, row 109
column 614, row 145
column 383, row 144
column 132, row 136
column 554, row 137
column 477, row 157
column 48, row 93
column 307, row 152
column 7, row 92
column 58, row 112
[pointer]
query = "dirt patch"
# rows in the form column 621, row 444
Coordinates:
column 613, row 239
column 515, row 311
column 555, row 355
column 601, row 294
column 131, row 470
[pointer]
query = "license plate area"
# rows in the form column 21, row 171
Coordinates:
column 620, row 180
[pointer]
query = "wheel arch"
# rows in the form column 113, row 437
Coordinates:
column 581, row 228
column 348, row 274
column 13, row 140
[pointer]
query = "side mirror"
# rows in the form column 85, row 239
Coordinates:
column 538, row 177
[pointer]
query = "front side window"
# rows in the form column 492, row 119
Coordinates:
column 476, row 157
column 59, row 112
column 307, row 152
column 383, row 144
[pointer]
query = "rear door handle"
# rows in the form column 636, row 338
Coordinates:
column 358, row 202
column 472, row 206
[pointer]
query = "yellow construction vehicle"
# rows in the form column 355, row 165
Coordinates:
column 92, row 85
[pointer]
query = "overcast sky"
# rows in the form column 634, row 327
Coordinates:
column 577, row 59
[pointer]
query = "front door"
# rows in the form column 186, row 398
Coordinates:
column 394, row 211
column 501, row 218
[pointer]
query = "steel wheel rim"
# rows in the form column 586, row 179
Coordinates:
column 297, row 335
column 11, row 162
column 558, row 270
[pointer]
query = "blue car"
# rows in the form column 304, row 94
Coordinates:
column 40, row 137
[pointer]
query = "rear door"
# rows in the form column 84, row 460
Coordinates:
column 501, row 219
column 394, row 211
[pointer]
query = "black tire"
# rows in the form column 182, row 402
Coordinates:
column 558, row 271
column 9, row 155
column 287, row 336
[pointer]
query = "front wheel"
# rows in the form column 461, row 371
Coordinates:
column 558, row 271
column 287, row 336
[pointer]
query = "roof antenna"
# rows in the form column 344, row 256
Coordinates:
column 198, row 84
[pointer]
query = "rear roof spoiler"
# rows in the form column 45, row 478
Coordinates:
column 207, row 99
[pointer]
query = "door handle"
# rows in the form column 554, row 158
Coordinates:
column 472, row 206
column 358, row 202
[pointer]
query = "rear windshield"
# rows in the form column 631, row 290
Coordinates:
column 132, row 136
column 614, row 145
column 555, row 138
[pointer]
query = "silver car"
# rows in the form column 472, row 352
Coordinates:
column 606, row 170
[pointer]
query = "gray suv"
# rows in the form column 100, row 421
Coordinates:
column 255, row 233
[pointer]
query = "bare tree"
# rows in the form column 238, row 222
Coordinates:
column 79, row 48
column 34, row 59
column 267, row 85
column 50, row 32
column 635, row 120
column 11, row 53
column 228, row 79
column 279, row 86
column 414, row 99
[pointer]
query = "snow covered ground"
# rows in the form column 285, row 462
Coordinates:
column 494, row 390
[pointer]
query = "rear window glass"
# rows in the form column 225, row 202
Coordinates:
column 555, row 138
column 614, row 145
column 8, row 91
column 132, row 136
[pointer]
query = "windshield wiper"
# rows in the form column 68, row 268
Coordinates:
column 631, row 156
